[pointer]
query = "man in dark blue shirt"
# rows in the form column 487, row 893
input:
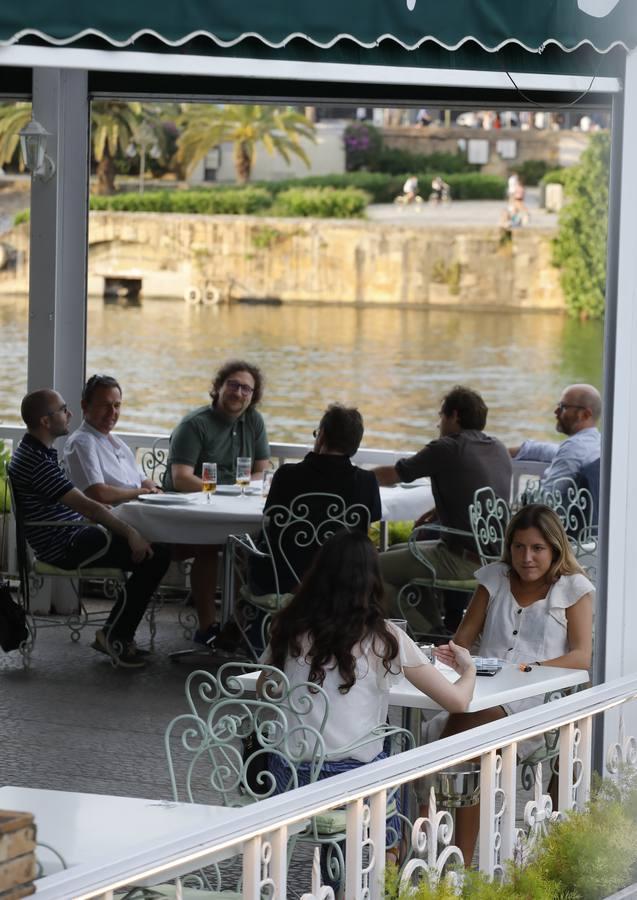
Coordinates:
column 43, row 493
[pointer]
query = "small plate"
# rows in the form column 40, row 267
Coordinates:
column 167, row 499
column 235, row 489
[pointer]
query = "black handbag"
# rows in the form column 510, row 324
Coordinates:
column 13, row 621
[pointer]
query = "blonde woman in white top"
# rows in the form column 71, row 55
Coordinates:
column 534, row 608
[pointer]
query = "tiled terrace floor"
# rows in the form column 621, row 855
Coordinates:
column 72, row 722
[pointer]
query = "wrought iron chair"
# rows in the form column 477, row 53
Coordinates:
column 32, row 572
column 291, row 535
column 223, row 744
column 411, row 594
column 575, row 508
column 489, row 516
column 153, row 460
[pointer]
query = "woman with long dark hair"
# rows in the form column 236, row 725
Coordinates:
column 334, row 633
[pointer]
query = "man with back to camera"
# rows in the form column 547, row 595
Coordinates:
column 97, row 461
column 327, row 469
column 576, row 415
column 459, row 462
column 44, row 493
column 219, row 432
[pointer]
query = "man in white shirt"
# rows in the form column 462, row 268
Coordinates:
column 576, row 414
column 99, row 463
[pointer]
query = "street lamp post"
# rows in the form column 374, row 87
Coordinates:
column 142, row 139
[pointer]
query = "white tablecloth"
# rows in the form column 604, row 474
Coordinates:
column 197, row 521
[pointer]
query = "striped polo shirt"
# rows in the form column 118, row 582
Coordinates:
column 38, row 483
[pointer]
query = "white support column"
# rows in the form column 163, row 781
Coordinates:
column 59, row 227
column 619, row 449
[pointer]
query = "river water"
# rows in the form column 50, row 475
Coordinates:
column 394, row 364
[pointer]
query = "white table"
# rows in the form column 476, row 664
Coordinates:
column 95, row 828
column 507, row 685
column 195, row 521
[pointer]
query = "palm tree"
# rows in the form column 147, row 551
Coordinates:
column 115, row 125
column 279, row 129
column 13, row 117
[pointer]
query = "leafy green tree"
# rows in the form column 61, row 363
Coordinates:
column 580, row 247
column 279, row 129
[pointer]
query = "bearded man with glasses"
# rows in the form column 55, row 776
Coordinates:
column 576, row 415
column 219, row 432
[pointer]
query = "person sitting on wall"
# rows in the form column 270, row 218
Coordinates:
column 44, row 493
column 219, row 432
column 97, row 461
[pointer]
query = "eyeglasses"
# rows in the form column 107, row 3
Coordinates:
column 245, row 389
column 562, row 406
column 315, row 433
column 61, row 409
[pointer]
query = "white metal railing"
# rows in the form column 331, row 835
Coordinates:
column 260, row 831
column 366, row 456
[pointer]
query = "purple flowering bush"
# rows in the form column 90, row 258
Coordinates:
column 363, row 144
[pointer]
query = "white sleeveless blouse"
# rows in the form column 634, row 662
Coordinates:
column 525, row 634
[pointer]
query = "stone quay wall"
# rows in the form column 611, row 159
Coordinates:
column 229, row 258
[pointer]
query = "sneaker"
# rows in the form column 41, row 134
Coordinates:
column 137, row 650
column 127, row 659
column 206, row 637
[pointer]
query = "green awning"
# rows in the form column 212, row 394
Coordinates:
column 359, row 24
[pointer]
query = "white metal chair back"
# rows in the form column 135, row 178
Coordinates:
column 574, row 507
column 153, row 460
column 489, row 516
column 223, row 744
column 294, row 533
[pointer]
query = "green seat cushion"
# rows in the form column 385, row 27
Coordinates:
column 334, row 821
column 265, row 601
column 170, row 891
column 44, row 568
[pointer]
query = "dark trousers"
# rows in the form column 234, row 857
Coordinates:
column 128, row 610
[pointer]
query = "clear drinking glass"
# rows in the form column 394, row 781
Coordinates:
column 268, row 475
column 209, row 480
column 399, row 623
column 244, row 470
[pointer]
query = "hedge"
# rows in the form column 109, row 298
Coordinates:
column 531, row 171
column 395, row 161
column 383, row 188
column 327, row 203
column 555, row 176
column 239, row 201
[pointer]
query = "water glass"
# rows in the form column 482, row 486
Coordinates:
column 244, row 470
column 268, row 475
column 209, row 479
column 428, row 651
column 399, row 623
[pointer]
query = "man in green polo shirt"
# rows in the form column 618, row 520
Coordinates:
column 229, row 427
